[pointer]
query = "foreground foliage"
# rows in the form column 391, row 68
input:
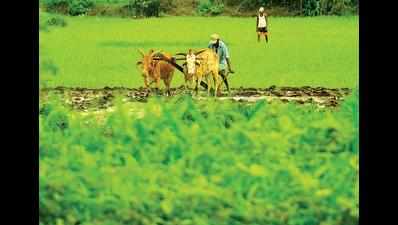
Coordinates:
column 184, row 162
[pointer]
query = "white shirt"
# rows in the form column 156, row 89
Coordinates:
column 261, row 21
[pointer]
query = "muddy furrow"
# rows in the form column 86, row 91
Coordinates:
column 85, row 98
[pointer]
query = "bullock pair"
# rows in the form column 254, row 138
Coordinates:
column 157, row 65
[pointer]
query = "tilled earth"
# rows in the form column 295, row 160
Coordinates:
column 85, row 99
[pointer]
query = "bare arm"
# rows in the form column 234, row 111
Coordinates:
column 226, row 51
column 229, row 66
column 256, row 23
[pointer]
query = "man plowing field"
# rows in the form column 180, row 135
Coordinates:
column 214, row 60
column 206, row 65
column 221, row 50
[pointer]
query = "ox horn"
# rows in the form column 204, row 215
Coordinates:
column 156, row 52
column 177, row 59
column 180, row 53
column 159, row 56
column 200, row 51
column 141, row 52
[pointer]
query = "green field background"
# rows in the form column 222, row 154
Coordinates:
column 98, row 52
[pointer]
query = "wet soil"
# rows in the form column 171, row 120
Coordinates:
column 100, row 99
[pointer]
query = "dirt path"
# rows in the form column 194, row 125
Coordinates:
column 85, row 99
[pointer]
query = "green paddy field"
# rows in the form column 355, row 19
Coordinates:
column 96, row 52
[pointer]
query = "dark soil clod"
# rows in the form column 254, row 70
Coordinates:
column 84, row 98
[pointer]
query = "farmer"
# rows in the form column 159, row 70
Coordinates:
column 222, row 50
column 262, row 23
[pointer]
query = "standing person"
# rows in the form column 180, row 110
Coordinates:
column 222, row 50
column 262, row 24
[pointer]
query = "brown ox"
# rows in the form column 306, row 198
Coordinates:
column 154, row 70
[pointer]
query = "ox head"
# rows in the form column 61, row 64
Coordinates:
column 191, row 61
column 147, row 63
